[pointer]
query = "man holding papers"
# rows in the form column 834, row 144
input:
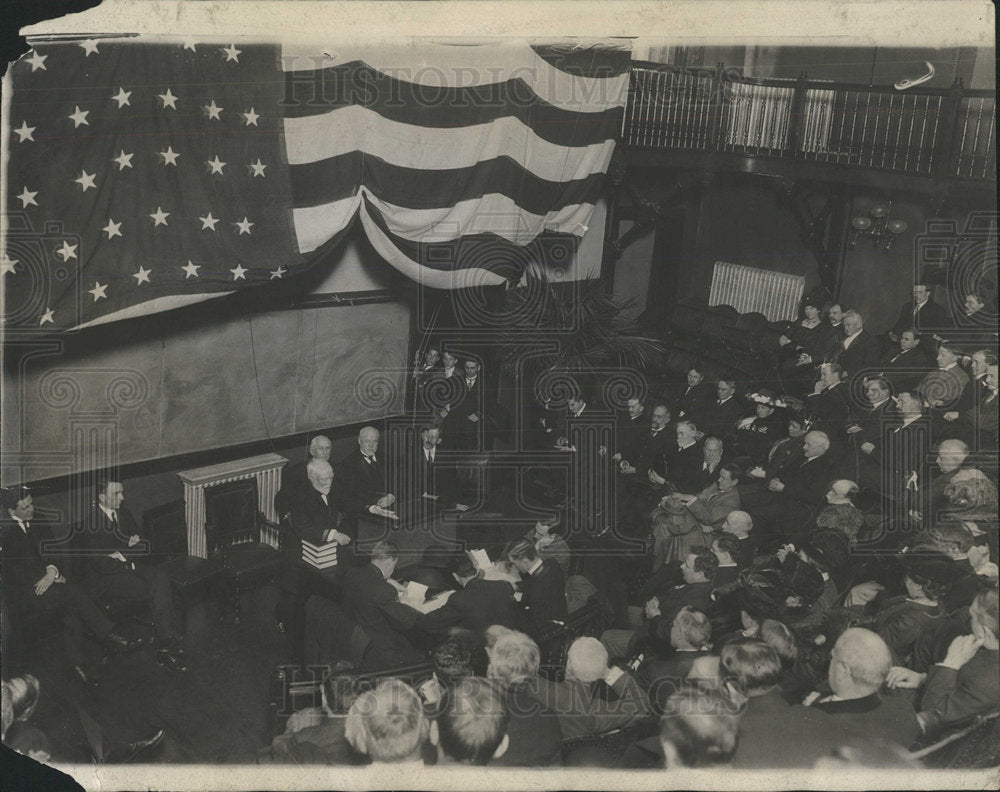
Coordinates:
column 478, row 604
column 373, row 602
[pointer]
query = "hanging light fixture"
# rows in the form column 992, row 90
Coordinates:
column 877, row 227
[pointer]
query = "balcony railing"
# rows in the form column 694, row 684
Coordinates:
column 945, row 134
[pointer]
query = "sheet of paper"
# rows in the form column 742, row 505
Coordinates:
column 435, row 602
column 480, row 558
column 415, row 591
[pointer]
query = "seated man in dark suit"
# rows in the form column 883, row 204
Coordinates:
column 594, row 697
column 856, row 350
column 830, row 401
column 374, row 604
column 662, row 672
column 294, row 478
column 685, row 461
column 664, row 599
column 118, row 568
column 535, row 735
column 543, row 586
column 476, row 605
column 908, row 364
column 698, row 572
column 922, row 313
column 859, row 664
column 799, row 492
column 31, row 584
column 363, row 477
column 630, row 427
column 945, row 386
column 720, row 418
column 319, row 515
column 692, row 400
column 436, row 480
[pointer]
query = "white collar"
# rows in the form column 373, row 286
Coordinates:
column 22, row 523
column 949, row 367
column 879, row 404
column 111, row 515
column 723, row 401
column 579, row 412
column 908, row 421
column 535, row 566
column 852, row 336
column 685, row 448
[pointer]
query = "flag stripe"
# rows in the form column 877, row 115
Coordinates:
column 448, row 278
column 492, row 214
column 320, row 137
column 492, row 258
column 464, row 67
column 446, row 108
column 414, row 188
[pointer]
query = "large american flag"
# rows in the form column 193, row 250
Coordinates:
column 146, row 176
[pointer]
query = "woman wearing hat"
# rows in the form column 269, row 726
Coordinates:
column 755, row 435
column 809, row 335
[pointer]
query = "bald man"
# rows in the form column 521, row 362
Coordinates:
column 363, row 477
column 859, row 664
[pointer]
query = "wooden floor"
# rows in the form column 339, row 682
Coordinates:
column 214, row 713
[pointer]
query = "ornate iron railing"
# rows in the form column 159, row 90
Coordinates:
column 945, row 134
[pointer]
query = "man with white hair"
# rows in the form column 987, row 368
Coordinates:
column 364, row 479
column 318, row 515
column 856, row 350
column 740, row 524
column 859, row 665
column 583, row 707
column 294, row 477
column 797, row 495
column 388, row 724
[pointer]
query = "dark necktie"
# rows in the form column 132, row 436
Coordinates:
column 369, row 459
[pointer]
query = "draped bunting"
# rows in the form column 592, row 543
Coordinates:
column 145, row 176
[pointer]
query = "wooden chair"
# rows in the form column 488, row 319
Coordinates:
column 554, row 641
column 192, row 579
column 233, row 525
column 294, row 688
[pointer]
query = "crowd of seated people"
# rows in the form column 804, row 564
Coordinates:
column 804, row 558
column 807, row 558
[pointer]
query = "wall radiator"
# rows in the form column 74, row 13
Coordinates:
column 774, row 294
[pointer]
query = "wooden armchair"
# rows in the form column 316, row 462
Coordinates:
column 233, row 527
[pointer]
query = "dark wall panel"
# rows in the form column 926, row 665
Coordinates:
column 238, row 380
